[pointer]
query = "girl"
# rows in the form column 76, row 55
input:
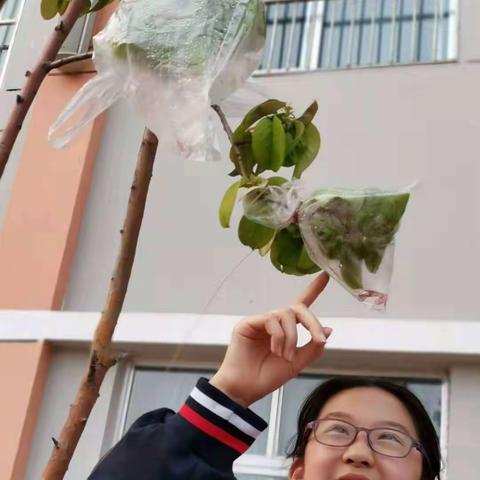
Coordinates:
column 348, row 428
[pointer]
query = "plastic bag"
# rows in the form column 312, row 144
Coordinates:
column 172, row 61
column 273, row 206
column 348, row 233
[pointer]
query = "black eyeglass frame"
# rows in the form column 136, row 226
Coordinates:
column 415, row 443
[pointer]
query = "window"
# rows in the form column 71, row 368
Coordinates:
column 151, row 388
column 332, row 34
column 8, row 19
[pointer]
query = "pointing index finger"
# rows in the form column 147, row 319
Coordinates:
column 315, row 288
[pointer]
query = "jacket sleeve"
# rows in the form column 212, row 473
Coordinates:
column 200, row 442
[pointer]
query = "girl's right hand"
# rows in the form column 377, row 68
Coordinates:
column 263, row 353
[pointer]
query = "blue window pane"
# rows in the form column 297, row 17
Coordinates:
column 350, row 33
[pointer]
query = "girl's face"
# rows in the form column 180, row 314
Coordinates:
column 368, row 407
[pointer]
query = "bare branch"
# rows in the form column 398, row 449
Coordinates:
column 34, row 79
column 101, row 355
column 67, row 60
column 238, row 160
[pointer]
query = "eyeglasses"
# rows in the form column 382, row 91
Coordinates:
column 385, row 441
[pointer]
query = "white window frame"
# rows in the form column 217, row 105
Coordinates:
column 317, row 17
column 15, row 22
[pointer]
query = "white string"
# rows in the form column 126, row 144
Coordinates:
column 180, row 348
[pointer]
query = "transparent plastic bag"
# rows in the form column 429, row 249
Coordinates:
column 273, row 206
column 349, row 233
column 172, row 62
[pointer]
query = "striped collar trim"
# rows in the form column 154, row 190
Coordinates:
column 216, row 415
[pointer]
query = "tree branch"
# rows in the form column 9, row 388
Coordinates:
column 67, row 60
column 101, row 356
column 238, row 160
column 35, row 79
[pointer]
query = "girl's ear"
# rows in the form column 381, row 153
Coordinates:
column 297, row 470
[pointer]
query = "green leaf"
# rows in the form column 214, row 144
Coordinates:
column 228, row 203
column 268, row 107
column 306, row 150
column 253, row 234
column 373, row 259
column 277, row 181
column 309, row 113
column 351, row 270
column 288, row 161
column 293, row 138
column 288, row 254
column 299, row 129
column 379, row 217
column 306, row 264
column 62, row 6
column 262, row 138
column 48, row 8
column 269, row 144
column 278, row 144
column 265, row 249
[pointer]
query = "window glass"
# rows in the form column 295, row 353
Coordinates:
column 355, row 33
column 429, row 392
column 294, row 394
column 8, row 17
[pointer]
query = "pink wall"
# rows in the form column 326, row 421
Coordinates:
column 23, row 370
column 39, row 234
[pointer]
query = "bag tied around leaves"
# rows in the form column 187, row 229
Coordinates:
column 172, row 62
column 348, row 233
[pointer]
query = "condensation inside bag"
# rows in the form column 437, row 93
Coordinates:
column 273, row 206
column 172, row 60
column 348, row 233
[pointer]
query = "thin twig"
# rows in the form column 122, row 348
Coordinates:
column 67, row 60
column 238, row 161
column 101, row 355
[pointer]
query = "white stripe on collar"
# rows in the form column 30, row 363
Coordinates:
column 225, row 413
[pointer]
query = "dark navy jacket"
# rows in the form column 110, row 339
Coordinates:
column 200, row 442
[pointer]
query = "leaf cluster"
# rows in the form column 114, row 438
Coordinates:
column 268, row 138
column 358, row 229
column 50, row 8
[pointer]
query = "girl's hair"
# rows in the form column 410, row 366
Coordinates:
column 428, row 438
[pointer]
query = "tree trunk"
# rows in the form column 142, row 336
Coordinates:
column 35, row 79
column 101, row 356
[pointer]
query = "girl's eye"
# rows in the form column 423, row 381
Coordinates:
column 390, row 437
column 338, row 429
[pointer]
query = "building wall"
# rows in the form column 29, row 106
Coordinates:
column 380, row 127
column 65, row 372
column 383, row 126
column 464, row 422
